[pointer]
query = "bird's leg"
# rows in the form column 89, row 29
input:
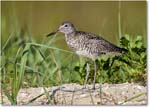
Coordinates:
column 100, row 85
column 87, row 72
column 95, row 69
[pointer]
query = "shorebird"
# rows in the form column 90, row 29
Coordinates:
column 88, row 45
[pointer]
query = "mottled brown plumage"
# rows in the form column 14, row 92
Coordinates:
column 87, row 44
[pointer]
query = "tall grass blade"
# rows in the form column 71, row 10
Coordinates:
column 119, row 20
column 41, row 45
column 22, row 68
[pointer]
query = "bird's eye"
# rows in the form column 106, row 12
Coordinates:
column 66, row 25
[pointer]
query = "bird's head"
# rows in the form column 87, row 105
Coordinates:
column 65, row 27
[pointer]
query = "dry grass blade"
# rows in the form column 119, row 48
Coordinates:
column 30, row 101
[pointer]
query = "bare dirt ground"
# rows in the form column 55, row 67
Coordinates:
column 74, row 94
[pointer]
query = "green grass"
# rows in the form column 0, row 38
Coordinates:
column 17, row 77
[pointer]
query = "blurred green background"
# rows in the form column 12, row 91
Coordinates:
column 99, row 17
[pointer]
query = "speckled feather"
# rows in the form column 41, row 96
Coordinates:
column 91, row 45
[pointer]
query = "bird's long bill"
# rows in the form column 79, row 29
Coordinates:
column 53, row 33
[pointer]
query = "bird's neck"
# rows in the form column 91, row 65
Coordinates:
column 70, row 34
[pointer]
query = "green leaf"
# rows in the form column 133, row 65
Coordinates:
column 124, row 41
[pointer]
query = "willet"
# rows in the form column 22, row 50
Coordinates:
column 88, row 45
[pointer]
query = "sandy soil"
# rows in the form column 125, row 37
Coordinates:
column 74, row 94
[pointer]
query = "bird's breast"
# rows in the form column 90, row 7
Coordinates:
column 81, row 46
column 72, row 42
